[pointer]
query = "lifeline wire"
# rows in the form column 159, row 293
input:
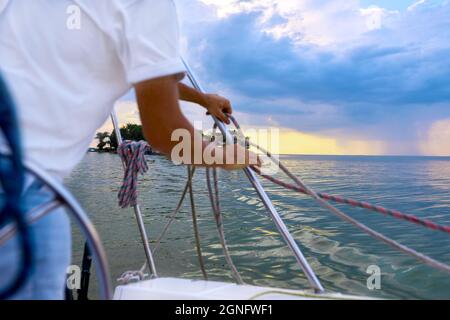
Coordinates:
column 215, row 204
column 132, row 154
column 195, row 226
column 425, row 259
column 218, row 218
column 171, row 218
column 365, row 205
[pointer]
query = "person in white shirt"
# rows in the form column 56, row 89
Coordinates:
column 66, row 62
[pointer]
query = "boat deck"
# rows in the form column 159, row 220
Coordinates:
column 185, row 289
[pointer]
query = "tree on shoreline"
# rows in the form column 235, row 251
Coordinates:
column 103, row 140
column 134, row 132
column 130, row 131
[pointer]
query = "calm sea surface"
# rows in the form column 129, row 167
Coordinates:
column 339, row 253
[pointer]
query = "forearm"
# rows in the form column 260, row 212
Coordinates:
column 161, row 117
column 161, row 114
column 188, row 146
column 162, row 120
column 215, row 105
column 190, row 94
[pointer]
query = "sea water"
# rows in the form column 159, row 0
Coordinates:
column 342, row 256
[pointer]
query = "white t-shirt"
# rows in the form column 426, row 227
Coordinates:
column 68, row 61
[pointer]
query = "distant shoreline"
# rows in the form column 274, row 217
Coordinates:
column 321, row 155
column 363, row 155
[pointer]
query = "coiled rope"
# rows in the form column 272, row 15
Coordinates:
column 323, row 203
column 132, row 154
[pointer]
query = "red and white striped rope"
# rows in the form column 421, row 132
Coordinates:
column 365, row 205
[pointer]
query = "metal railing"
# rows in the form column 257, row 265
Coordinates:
column 137, row 208
column 279, row 223
column 282, row 228
column 64, row 198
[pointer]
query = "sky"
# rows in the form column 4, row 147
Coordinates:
column 336, row 77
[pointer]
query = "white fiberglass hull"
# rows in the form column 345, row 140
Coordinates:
column 185, row 289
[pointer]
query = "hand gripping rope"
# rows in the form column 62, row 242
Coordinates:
column 132, row 154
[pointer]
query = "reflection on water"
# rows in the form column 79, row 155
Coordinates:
column 339, row 253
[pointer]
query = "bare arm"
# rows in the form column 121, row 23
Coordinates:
column 216, row 105
column 190, row 94
column 161, row 116
column 160, row 113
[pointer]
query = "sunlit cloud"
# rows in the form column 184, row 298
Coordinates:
column 416, row 4
column 375, row 70
column 308, row 22
column 344, row 76
column 437, row 140
column 295, row 142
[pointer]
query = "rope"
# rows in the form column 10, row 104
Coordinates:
column 195, row 226
column 215, row 204
column 355, row 203
column 132, row 154
column 365, row 205
column 302, row 294
column 171, row 218
column 132, row 275
column 419, row 256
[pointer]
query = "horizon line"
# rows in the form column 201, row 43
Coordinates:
column 363, row 155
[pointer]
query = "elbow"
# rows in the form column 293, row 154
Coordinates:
column 159, row 143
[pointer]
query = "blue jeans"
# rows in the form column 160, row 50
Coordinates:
column 51, row 243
